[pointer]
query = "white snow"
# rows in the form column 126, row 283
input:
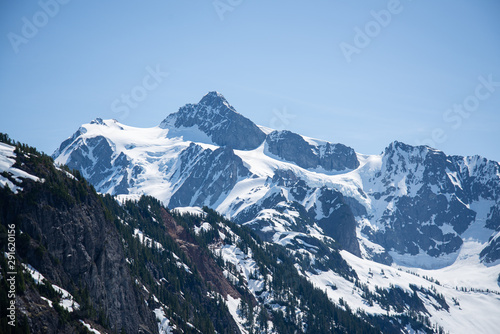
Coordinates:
column 181, row 264
column 92, row 330
column 472, row 315
column 163, row 322
column 69, row 175
column 7, row 160
column 232, row 305
column 35, row 274
column 244, row 263
column 147, row 241
column 192, row 210
column 67, row 300
column 47, row 300
column 424, row 260
column 193, row 134
column 204, row 227
column 157, row 150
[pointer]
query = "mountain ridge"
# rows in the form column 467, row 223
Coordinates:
column 431, row 168
column 410, row 206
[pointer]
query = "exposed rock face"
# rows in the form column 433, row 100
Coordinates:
column 81, row 248
column 338, row 220
column 126, row 262
column 95, row 159
column 214, row 116
column 293, row 147
column 491, row 252
column 430, row 199
column 212, row 174
column 209, row 270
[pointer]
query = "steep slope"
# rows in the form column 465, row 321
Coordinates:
column 273, row 297
column 394, row 298
column 62, row 231
column 310, row 153
column 82, row 260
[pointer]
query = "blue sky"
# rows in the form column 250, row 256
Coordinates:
column 363, row 73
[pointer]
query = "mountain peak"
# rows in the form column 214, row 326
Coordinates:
column 98, row 120
column 213, row 99
column 215, row 117
column 399, row 146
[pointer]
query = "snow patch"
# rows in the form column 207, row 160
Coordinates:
column 67, row 300
column 89, row 328
column 7, row 160
column 204, row 227
column 232, row 305
column 164, row 326
column 192, row 210
column 147, row 241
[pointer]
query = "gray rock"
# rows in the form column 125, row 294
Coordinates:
column 294, row 148
column 215, row 173
column 214, row 116
column 415, row 222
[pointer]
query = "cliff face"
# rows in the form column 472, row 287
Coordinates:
column 68, row 237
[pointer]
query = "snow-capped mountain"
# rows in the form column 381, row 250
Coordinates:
column 413, row 201
column 406, row 207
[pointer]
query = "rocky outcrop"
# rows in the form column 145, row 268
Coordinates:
column 288, row 198
column 215, row 173
column 430, row 199
column 294, row 148
column 491, row 252
column 95, row 158
column 338, row 221
column 214, row 116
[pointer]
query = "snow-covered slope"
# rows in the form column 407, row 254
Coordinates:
column 11, row 176
column 408, row 206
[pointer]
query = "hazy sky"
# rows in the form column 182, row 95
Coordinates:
column 363, row 73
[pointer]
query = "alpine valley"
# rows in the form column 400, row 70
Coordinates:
column 209, row 223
